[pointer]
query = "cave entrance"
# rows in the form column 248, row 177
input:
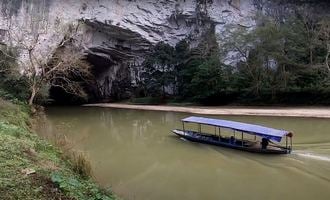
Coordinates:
column 100, row 91
column 110, row 54
column 112, row 82
column 100, row 66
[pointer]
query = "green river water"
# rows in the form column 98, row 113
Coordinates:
column 135, row 153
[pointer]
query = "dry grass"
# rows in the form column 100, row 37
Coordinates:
column 80, row 163
column 78, row 159
column 62, row 142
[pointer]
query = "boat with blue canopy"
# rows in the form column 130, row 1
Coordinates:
column 264, row 139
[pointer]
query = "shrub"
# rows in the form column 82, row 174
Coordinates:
column 13, row 85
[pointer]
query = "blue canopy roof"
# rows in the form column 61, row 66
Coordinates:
column 270, row 133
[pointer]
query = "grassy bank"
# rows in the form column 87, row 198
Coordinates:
column 31, row 168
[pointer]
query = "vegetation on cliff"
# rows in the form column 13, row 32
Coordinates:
column 281, row 61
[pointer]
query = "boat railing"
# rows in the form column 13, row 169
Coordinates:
column 279, row 146
column 228, row 140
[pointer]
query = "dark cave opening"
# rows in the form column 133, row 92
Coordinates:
column 100, row 91
column 100, row 65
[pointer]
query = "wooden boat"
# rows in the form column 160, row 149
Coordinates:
column 266, row 140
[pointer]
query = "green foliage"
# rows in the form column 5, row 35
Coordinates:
column 13, row 86
column 208, row 79
column 279, row 57
column 77, row 188
column 20, row 150
column 202, row 75
column 147, row 100
column 8, row 63
column 289, row 57
column 159, row 68
column 190, row 73
column 14, row 114
column 10, row 129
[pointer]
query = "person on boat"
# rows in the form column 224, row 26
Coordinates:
column 264, row 143
column 232, row 140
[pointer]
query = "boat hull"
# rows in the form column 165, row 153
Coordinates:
column 225, row 142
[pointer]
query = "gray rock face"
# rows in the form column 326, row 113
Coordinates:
column 117, row 34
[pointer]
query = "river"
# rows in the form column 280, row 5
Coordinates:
column 135, row 153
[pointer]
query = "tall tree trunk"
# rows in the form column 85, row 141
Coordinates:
column 33, row 95
column 163, row 82
column 284, row 76
column 327, row 57
column 163, row 93
column 33, row 92
column 34, row 81
column 311, row 55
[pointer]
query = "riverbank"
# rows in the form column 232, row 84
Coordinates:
column 317, row 112
column 31, row 168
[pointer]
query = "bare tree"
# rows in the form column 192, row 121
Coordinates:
column 324, row 36
column 67, row 69
column 238, row 46
column 309, row 21
column 62, row 66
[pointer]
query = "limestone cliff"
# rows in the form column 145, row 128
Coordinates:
column 117, row 34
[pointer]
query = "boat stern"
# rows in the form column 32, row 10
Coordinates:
column 178, row 132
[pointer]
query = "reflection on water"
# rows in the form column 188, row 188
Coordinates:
column 135, row 153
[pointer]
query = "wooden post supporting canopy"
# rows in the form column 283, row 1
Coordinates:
column 219, row 133
column 242, row 138
column 286, row 141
